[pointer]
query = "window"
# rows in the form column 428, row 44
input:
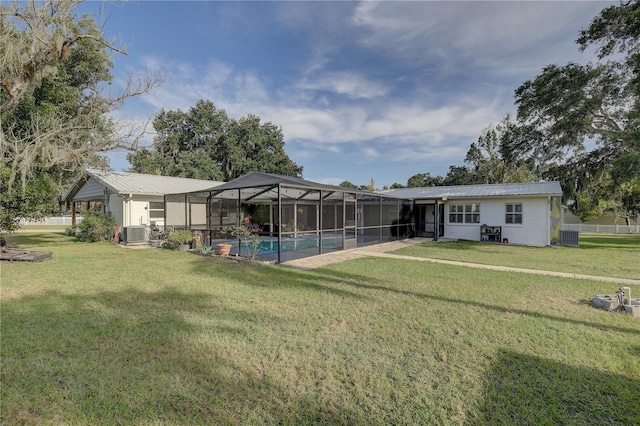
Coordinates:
column 456, row 213
column 156, row 209
column 472, row 213
column 513, row 214
column 464, row 213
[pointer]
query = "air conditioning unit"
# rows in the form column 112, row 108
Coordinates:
column 135, row 234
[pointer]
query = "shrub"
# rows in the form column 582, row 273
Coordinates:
column 96, row 227
column 180, row 236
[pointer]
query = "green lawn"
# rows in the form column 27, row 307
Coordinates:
column 101, row 334
column 598, row 254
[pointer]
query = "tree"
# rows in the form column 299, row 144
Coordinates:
column 493, row 159
column 205, row 143
column 459, row 175
column 371, row 187
column 54, row 108
column 584, row 120
column 347, row 184
column 424, row 179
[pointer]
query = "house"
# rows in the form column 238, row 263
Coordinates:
column 294, row 217
column 517, row 213
column 134, row 200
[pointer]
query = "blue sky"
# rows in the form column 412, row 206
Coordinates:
column 362, row 90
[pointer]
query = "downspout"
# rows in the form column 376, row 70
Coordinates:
column 548, row 220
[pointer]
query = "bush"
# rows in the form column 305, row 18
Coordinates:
column 96, row 227
column 180, row 236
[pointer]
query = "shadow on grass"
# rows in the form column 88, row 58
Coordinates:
column 361, row 284
column 139, row 358
column 24, row 240
column 525, row 389
column 266, row 276
column 460, row 245
column 624, row 242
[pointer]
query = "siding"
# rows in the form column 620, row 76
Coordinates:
column 534, row 230
column 90, row 191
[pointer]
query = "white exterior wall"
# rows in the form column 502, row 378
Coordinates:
column 534, row 230
column 135, row 209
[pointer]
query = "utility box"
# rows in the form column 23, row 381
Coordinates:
column 135, row 234
column 568, row 238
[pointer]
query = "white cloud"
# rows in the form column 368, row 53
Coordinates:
column 310, row 126
column 502, row 36
column 423, row 86
column 345, row 83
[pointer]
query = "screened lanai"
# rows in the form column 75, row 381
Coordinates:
column 292, row 217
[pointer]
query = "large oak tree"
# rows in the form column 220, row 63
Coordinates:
column 204, row 143
column 584, row 119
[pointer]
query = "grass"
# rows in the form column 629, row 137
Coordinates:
column 598, row 254
column 100, row 334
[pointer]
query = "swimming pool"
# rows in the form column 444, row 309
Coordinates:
column 270, row 245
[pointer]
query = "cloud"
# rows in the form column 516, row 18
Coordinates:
column 412, row 123
column 405, row 82
column 501, row 36
column 344, row 83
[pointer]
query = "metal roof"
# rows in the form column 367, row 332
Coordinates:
column 140, row 184
column 477, row 191
column 259, row 186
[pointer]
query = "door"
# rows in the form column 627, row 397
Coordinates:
column 349, row 240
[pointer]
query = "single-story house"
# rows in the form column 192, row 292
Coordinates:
column 295, row 217
column 515, row 213
column 134, row 200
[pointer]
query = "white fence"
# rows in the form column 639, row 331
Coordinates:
column 51, row 221
column 602, row 229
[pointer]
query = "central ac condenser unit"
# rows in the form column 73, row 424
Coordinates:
column 135, row 234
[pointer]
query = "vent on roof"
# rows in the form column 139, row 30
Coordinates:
column 135, row 234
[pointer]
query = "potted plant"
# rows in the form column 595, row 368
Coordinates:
column 223, row 249
column 239, row 232
column 242, row 233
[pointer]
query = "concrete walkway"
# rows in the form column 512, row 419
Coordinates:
column 380, row 250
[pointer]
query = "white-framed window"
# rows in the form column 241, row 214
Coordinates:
column 156, row 210
column 513, row 214
column 464, row 213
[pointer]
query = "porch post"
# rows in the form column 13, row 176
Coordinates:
column 436, row 211
column 320, row 225
column 279, row 223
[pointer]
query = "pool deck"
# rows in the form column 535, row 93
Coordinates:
column 318, row 261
